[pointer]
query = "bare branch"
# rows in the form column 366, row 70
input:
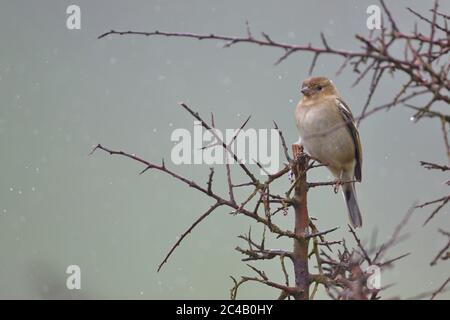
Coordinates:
column 443, row 202
column 180, row 239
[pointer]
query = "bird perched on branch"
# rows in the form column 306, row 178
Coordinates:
column 328, row 133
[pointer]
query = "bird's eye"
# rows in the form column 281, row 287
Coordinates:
column 319, row 88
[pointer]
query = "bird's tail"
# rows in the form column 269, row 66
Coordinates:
column 349, row 192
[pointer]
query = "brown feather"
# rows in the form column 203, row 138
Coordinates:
column 351, row 126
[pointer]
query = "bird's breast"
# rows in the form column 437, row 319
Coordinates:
column 325, row 136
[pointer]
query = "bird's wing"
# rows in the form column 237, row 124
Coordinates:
column 347, row 116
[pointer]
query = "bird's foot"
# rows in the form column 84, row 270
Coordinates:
column 317, row 160
column 291, row 176
column 338, row 183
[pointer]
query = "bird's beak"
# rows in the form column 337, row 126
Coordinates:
column 306, row 91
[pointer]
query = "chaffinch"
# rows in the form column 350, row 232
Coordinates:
column 328, row 133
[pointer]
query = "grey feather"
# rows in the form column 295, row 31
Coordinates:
column 352, row 205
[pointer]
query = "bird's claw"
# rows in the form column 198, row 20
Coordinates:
column 291, row 176
column 337, row 184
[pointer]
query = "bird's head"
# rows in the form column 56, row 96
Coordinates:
column 317, row 87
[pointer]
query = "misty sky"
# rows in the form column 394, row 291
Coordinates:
column 63, row 91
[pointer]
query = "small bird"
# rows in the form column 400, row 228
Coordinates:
column 328, row 133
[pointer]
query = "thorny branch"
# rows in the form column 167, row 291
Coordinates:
column 424, row 61
column 424, row 65
column 263, row 213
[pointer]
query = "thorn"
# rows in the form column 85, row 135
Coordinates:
column 143, row 171
column 94, row 149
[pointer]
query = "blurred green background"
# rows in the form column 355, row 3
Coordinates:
column 63, row 91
